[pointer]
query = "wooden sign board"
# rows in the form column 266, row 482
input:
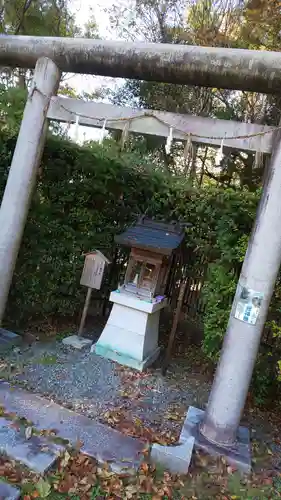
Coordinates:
column 93, row 270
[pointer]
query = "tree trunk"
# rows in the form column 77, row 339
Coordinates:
column 22, row 79
column 192, row 175
column 203, row 161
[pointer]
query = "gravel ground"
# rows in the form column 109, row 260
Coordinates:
column 102, row 389
column 93, row 385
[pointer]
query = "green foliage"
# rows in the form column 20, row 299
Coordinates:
column 43, row 488
column 97, row 492
column 241, row 489
column 232, row 233
column 265, row 379
column 46, row 359
column 85, row 195
column 41, row 18
column 12, row 105
column 249, row 24
column 218, row 291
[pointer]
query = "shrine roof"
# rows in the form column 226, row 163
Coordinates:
column 152, row 235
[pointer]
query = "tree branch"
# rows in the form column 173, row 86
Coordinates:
column 26, row 6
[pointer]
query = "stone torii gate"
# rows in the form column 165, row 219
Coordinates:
column 218, row 428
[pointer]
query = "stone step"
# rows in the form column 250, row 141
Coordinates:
column 93, row 438
column 8, row 492
column 37, row 452
column 8, row 340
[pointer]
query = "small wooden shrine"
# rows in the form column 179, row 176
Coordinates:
column 152, row 246
column 131, row 333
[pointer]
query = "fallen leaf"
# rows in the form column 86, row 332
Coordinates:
column 78, row 444
column 28, row 432
column 65, row 459
column 130, row 491
column 15, row 425
column 174, row 416
column 44, row 488
column 138, row 422
column 144, row 467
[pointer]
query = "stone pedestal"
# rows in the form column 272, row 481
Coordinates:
column 237, row 455
column 130, row 336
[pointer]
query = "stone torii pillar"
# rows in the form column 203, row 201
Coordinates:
column 242, row 338
column 217, row 430
column 22, row 176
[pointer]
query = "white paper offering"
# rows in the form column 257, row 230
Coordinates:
column 248, row 305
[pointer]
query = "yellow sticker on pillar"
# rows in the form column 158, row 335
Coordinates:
column 248, row 305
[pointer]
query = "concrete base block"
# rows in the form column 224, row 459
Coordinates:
column 124, row 359
column 175, row 458
column 238, row 455
column 130, row 335
column 77, row 342
column 8, row 492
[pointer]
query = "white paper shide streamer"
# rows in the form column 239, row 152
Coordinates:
column 258, row 160
column 169, row 142
column 76, row 130
column 219, row 155
column 103, row 133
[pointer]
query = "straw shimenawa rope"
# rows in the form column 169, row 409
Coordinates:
column 147, row 114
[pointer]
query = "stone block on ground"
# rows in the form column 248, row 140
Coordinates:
column 97, row 440
column 37, row 453
column 8, row 339
column 8, row 492
column 77, row 342
column 238, row 455
column 176, row 458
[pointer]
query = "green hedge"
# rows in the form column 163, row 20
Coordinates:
column 85, row 195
